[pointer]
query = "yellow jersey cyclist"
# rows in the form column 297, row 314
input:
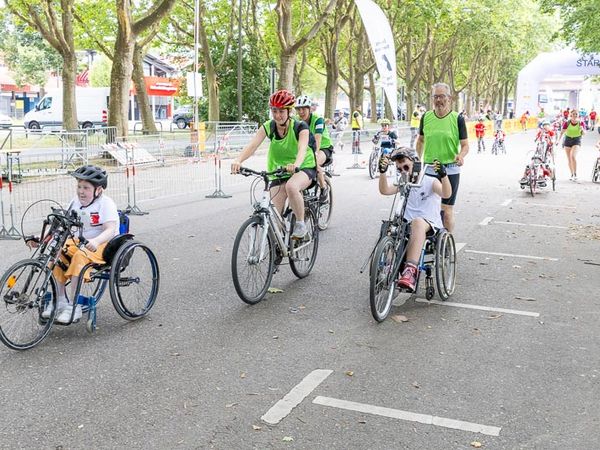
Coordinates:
column 288, row 148
column 324, row 146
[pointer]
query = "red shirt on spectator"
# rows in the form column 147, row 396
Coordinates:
column 593, row 115
column 479, row 129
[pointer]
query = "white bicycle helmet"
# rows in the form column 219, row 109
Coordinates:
column 303, row 101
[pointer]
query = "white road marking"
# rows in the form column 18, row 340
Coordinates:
column 407, row 415
column 486, row 221
column 459, row 246
column 293, row 398
column 506, row 202
column 482, row 308
column 544, row 205
column 511, row 255
column 530, row 225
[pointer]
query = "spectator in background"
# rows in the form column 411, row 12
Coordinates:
column 415, row 120
column 357, row 125
column 592, row 119
column 498, row 120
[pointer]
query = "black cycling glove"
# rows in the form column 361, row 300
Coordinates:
column 384, row 162
column 440, row 170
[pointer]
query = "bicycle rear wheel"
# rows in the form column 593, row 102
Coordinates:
column 134, row 280
column 326, row 207
column 445, row 265
column 25, row 290
column 303, row 252
column 252, row 261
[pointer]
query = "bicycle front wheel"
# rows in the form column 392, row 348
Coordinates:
column 326, row 207
column 381, row 290
column 25, row 290
column 373, row 162
column 252, row 261
column 303, row 252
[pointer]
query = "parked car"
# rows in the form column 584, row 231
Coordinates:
column 183, row 116
column 5, row 121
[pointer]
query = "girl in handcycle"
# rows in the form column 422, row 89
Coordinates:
column 422, row 209
column 288, row 148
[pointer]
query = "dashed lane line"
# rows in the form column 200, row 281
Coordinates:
column 478, row 307
column 512, row 255
column 408, row 416
column 506, row 202
column 293, row 398
column 539, row 225
column 486, row 221
column 549, row 205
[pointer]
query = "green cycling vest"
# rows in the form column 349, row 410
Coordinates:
column 441, row 137
column 325, row 139
column 573, row 131
column 284, row 151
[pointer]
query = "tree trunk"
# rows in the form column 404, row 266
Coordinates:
column 331, row 88
column 69, row 72
column 287, row 64
column 120, row 79
column 148, row 124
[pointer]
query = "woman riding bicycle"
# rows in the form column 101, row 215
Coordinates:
column 289, row 149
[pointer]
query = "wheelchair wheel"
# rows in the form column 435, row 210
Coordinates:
column 373, row 162
column 326, row 207
column 445, row 265
column 134, row 280
column 304, row 251
column 251, row 274
column 25, row 289
column 381, row 289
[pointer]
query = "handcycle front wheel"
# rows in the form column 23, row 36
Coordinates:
column 134, row 280
column 25, row 290
column 596, row 171
column 326, row 207
column 252, row 261
column 445, row 265
column 382, row 286
column 303, row 252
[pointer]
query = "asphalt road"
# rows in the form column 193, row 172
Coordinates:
column 203, row 368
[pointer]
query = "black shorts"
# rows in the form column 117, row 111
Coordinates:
column 312, row 175
column 328, row 156
column 454, row 181
column 571, row 141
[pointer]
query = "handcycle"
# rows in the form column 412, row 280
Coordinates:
column 265, row 239
column 539, row 168
column 130, row 271
column 498, row 145
column 438, row 257
column 377, row 152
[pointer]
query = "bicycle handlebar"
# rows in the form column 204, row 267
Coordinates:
column 278, row 173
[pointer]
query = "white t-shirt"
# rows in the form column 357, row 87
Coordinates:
column 102, row 210
column 424, row 203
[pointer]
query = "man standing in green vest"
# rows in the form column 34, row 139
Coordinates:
column 443, row 137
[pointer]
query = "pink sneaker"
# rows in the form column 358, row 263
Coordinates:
column 408, row 280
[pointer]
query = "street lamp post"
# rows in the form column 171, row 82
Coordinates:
column 196, row 39
column 239, row 65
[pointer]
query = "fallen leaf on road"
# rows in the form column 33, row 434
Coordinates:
column 528, row 299
column 294, row 310
column 399, row 318
column 362, row 421
column 175, row 354
column 494, row 316
column 287, row 439
column 243, row 375
column 349, row 373
column 275, row 337
column 331, row 331
column 256, row 427
column 476, row 444
column 218, row 249
column 516, row 267
column 273, row 290
column 416, row 385
column 231, row 405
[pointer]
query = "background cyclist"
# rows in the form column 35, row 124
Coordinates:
column 288, row 148
column 385, row 137
column 323, row 144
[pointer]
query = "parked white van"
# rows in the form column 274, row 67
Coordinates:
column 92, row 109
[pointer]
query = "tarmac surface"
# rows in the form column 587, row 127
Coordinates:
column 203, row 368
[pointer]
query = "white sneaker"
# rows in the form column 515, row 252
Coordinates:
column 60, row 306
column 299, row 230
column 65, row 314
column 574, row 177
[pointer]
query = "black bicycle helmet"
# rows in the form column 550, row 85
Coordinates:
column 94, row 174
column 404, row 152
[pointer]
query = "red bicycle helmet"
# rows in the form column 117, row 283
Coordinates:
column 282, row 99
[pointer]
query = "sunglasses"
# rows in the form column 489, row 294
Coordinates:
column 404, row 168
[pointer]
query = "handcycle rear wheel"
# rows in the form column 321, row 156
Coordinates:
column 445, row 265
column 304, row 251
column 251, row 274
column 25, row 289
column 134, row 280
column 381, row 286
column 326, row 207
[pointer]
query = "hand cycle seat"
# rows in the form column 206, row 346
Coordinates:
column 113, row 247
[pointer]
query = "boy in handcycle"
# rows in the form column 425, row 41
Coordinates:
column 99, row 216
column 423, row 208
column 288, row 148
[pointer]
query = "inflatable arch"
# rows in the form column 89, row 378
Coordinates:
column 564, row 62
